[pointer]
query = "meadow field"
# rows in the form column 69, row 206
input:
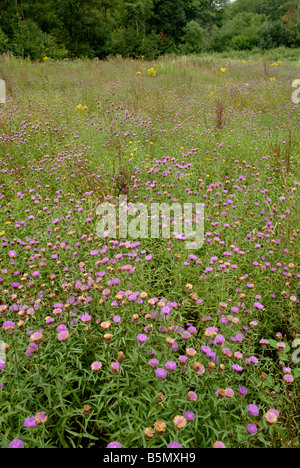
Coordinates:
column 141, row 342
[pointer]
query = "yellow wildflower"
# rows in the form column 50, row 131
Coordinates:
column 81, row 107
column 152, row 71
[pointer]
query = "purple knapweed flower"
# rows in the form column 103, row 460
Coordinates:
column 142, row 338
column 114, row 445
column 16, row 443
column 189, row 415
column 252, row 429
column 253, row 410
column 170, row 366
column 30, row 422
column 153, row 363
column 160, row 373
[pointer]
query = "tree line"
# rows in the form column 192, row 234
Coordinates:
column 99, row 28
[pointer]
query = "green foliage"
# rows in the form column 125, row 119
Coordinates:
column 100, row 28
column 30, row 41
column 291, row 25
column 271, row 35
column 169, row 18
column 242, row 32
column 3, row 42
column 194, row 36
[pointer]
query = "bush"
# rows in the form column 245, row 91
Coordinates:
column 3, row 42
column 242, row 32
column 193, row 37
column 30, row 41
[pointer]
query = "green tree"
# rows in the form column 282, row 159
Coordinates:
column 134, row 25
column 145, row 27
column 193, row 38
column 4, row 42
column 291, row 25
column 29, row 40
column 242, row 32
column 168, row 19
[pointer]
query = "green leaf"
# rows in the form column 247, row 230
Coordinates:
column 269, row 382
column 282, row 433
column 273, row 343
column 87, row 436
column 296, row 373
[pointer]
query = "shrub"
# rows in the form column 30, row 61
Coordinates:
column 193, row 37
column 3, row 42
column 30, row 41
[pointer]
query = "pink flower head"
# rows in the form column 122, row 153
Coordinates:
column 161, row 373
column 253, row 410
column 153, row 363
column 142, row 338
column 114, row 445
column 271, row 416
column 41, row 418
column 219, row 444
column 170, row 366
column 96, row 366
column 174, row 445
column 85, row 318
column 30, row 422
column 252, row 429
column 115, row 367
column 16, row 443
column 288, row 378
column 63, row 336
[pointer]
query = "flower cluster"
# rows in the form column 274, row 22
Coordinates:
column 116, row 341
